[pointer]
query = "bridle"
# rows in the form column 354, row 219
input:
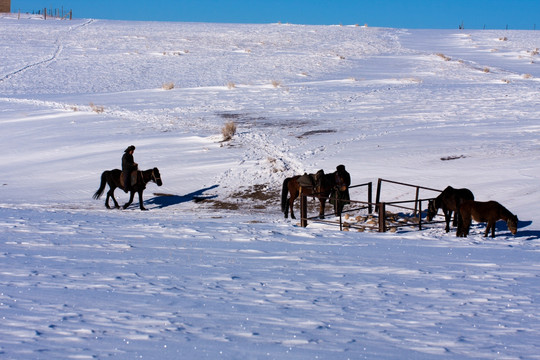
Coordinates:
column 154, row 177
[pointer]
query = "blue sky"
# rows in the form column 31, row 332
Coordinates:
column 441, row 14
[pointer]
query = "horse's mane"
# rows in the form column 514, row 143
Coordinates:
column 505, row 212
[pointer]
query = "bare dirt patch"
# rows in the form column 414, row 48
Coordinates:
column 256, row 197
column 315, row 132
column 453, row 157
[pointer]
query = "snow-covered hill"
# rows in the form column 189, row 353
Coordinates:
column 228, row 277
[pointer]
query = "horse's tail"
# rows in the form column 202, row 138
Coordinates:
column 99, row 191
column 284, row 193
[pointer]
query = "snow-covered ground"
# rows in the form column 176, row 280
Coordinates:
column 228, row 277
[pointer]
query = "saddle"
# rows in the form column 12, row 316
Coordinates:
column 310, row 180
column 133, row 179
column 306, row 180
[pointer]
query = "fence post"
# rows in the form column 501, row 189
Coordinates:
column 303, row 209
column 369, row 198
column 382, row 217
column 420, row 215
column 378, row 195
column 416, row 200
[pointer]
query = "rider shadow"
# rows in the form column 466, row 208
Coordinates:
column 165, row 200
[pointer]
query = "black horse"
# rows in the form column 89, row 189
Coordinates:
column 113, row 178
column 319, row 185
column 450, row 201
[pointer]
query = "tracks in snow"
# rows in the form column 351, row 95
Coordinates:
column 57, row 51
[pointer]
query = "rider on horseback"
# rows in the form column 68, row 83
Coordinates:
column 128, row 166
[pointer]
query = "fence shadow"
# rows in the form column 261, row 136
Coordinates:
column 166, row 200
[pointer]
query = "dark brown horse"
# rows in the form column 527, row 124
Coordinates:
column 490, row 212
column 112, row 177
column 319, row 185
column 449, row 200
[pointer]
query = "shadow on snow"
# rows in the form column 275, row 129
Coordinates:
column 165, row 200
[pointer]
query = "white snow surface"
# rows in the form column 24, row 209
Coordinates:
column 228, row 277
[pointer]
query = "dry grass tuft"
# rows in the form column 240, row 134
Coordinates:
column 168, row 86
column 97, row 108
column 228, row 130
column 444, row 57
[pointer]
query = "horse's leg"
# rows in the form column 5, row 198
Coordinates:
column 467, row 227
column 141, row 201
column 447, row 217
column 322, row 207
column 131, row 195
column 463, row 227
column 110, row 194
column 340, row 205
column 107, row 199
column 291, row 204
column 286, row 209
column 490, row 226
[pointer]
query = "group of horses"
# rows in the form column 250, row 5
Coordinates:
column 461, row 202
column 324, row 186
column 335, row 188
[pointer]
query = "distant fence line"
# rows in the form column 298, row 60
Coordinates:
column 53, row 13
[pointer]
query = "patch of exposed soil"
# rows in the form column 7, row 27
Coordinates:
column 248, row 120
column 315, row 132
column 453, row 157
column 256, row 197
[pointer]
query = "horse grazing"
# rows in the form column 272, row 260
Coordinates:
column 449, row 200
column 318, row 185
column 489, row 212
column 113, row 178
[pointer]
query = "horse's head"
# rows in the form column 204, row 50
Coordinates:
column 512, row 224
column 342, row 178
column 431, row 210
column 156, row 176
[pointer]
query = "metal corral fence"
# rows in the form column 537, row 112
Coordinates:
column 384, row 219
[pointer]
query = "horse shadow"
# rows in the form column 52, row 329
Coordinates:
column 166, row 200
